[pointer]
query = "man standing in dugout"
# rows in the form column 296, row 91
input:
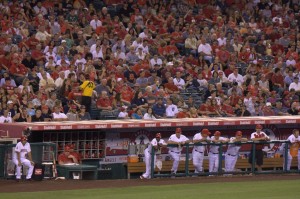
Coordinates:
column 179, row 141
column 258, row 136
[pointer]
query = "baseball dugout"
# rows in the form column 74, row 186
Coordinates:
column 274, row 164
column 42, row 155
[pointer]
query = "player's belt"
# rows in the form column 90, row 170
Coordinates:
column 199, row 151
column 175, row 152
column 214, row 153
column 231, row 155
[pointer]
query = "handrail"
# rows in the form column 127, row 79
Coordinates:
column 253, row 143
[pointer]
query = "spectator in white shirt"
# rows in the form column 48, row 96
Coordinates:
column 59, row 116
column 97, row 53
column 295, row 85
column 178, row 81
column 5, row 118
column 155, row 60
column 222, row 40
column 290, row 62
column 236, row 77
column 205, row 50
column 172, row 109
column 95, row 22
column 149, row 114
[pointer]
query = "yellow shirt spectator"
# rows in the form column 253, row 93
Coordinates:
column 87, row 87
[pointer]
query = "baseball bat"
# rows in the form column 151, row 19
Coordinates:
column 54, row 170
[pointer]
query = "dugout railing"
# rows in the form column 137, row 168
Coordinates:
column 271, row 164
column 42, row 153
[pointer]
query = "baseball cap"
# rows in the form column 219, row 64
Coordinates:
column 23, row 138
column 63, row 41
column 217, row 133
column 258, row 126
column 158, row 135
column 239, row 133
column 10, row 102
column 205, row 131
column 170, row 64
column 178, row 130
column 268, row 104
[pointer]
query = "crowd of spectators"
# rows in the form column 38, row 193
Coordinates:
column 148, row 59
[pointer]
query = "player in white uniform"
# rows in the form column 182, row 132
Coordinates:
column 175, row 152
column 157, row 143
column 214, row 151
column 233, row 151
column 22, row 150
column 294, row 142
column 198, row 151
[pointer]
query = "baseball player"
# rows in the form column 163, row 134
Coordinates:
column 259, row 155
column 214, row 151
column 22, row 150
column 295, row 142
column 157, row 143
column 198, row 151
column 175, row 152
column 233, row 151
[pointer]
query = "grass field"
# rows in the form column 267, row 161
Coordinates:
column 285, row 189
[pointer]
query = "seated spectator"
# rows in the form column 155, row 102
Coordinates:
column 149, row 114
column 139, row 100
column 5, row 117
column 138, row 114
column 104, row 103
column 159, row 108
column 59, row 116
column 22, row 116
column 83, row 115
column 295, row 85
column 170, row 87
column 280, row 110
column 192, row 112
column 171, row 109
column 179, row 82
column 267, row 110
column 37, row 117
column 46, row 114
column 293, row 110
column 47, row 83
column 123, row 113
column 72, row 114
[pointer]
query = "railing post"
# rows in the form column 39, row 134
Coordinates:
column 253, row 158
column 187, row 159
column 220, row 158
column 286, row 150
column 152, row 162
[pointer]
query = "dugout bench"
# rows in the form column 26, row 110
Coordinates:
column 242, row 164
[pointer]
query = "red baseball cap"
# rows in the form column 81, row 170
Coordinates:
column 74, row 107
column 258, row 126
column 217, row 133
column 239, row 133
column 205, row 131
column 158, row 135
column 178, row 130
column 23, row 138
